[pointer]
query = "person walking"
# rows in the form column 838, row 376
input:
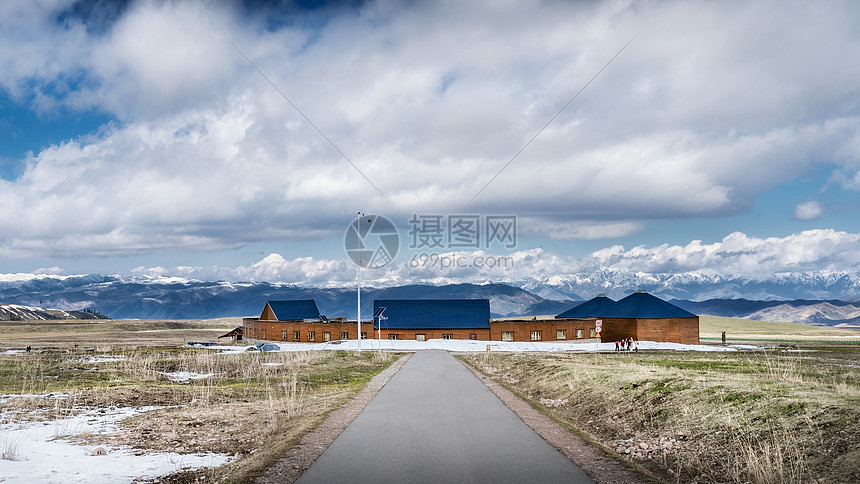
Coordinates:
column 617, row 345
column 636, row 345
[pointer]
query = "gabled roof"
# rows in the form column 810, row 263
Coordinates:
column 592, row 307
column 641, row 305
column 434, row 313
column 295, row 309
column 234, row 332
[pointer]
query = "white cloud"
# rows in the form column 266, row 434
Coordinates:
column 736, row 254
column 576, row 230
column 810, row 210
column 739, row 253
column 430, row 101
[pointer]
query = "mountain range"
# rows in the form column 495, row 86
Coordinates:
column 168, row 298
column 699, row 286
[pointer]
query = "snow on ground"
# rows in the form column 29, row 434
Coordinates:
column 102, row 358
column 42, row 456
column 6, row 397
column 186, row 376
column 473, row 346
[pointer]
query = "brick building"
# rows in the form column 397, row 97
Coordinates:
column 640, row 316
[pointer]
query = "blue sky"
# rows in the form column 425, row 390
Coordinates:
column 135, row 139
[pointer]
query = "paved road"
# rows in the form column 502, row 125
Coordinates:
column 435, row 422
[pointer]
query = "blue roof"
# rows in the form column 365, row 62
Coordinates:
column 434, row 313
column 591, row 307
column 295, row 309
column 641, row 305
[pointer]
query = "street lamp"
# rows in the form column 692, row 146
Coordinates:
column 358, row 246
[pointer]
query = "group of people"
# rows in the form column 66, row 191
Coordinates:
column 628, row 344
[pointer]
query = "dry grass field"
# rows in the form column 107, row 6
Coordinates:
column 253, row 406
column 746, row 331
column 100, row 333
column 760, row 417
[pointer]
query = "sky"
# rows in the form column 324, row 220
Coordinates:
column 238, row 140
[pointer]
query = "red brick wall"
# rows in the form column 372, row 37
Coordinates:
column 522, row 329
column 690, row 331
column 274, row 330
column 482, row 334
column 666, row 329
column 671, row 330
column 615, row 329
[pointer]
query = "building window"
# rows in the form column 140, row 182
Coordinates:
column 536, row 336
column 262, row 334
column 561, row 334
column 579, row 333
column 364, row 335
column 326, row 336
column 473, row 336
column 312, row 335
column 507, row 335
column 393, row 336
column 420, row 337
column 284, row 335
column 297, row 335
column 592, row 333
column 344, row 335
column 447, row 335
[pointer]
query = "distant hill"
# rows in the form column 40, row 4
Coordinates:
column 16, row 312
column 823, row 313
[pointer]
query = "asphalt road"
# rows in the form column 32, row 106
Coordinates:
column 435, row 422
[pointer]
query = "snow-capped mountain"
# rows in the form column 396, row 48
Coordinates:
column 695, row 286
column 816, row 298
column 17, row 312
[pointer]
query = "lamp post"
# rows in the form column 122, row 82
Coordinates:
column 358, row 318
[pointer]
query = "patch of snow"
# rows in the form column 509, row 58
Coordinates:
column 25, row 277
column 186, row 376
column 273, row 364
column 4, row 398
column 478, row 346
column 102, row 358
column 43, row 456
column 745, row 347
